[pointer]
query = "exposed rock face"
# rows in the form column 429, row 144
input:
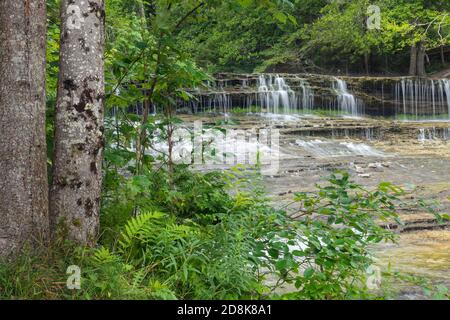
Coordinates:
column 288, row 93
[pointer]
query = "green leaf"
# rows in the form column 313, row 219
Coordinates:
column 308, row 273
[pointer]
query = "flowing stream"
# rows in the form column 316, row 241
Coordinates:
column 325, row 124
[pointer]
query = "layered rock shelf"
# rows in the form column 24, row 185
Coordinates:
column 414, row 98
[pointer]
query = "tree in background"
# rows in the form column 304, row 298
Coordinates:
column 23, row 174
column 419, row 26
column 340, row 36
column 324, row 37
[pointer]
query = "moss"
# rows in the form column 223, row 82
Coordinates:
column 76, row 222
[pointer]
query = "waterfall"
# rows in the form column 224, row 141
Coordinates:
column 446, row 84
column 423, row 97
column 412, row 98
column 275, row 94
column 429, row 134
column 347, row 102
column 307, row 96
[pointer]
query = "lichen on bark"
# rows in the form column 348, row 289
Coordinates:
column 79, row 121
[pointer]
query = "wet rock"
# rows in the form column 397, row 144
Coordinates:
column 359, row 169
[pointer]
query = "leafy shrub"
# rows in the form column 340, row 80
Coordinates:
column 326, row 252
column 247, row 250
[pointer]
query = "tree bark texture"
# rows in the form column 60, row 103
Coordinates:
column 79, row 139
column 413, row 61
column 421, row 72
column 417, row 60
column 23, row 156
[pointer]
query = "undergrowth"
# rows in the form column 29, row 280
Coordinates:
column 215, row 236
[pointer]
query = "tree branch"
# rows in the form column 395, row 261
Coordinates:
column 201, row 4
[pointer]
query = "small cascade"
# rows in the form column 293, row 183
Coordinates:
column 306, row 98
column 216, row 100
column 275, row 94
column 446, row 84
column 347, row 102
column 369, row 134
column 219, row 102
column 423, row 98
column 330, row 148
column 430, row 134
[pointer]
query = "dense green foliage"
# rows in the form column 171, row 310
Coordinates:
column 170, row 233
column 227, row 247
column 322, row 36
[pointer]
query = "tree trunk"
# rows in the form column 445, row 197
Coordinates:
column 421, row 61
column 367, row 63
column 23, row 159
column 141, row 10
column 413, row 61
column 442, row 56
column 79, row 140
column 386, row 64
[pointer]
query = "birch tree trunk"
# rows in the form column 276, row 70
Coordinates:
column 79, row 141
column 23, row 159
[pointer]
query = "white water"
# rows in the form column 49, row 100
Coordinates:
column 275, row 94
column 233, row 148
column 347, row 102
column 423, row 98
column 446, row 84
column 430, row 134
column 307, row 97
column 324, row 149
column 281, row 117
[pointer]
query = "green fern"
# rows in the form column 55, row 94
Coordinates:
column 135, row 226
column 103, row 255
column 138, row 277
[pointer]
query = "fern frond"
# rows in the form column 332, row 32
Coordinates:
column 134, row 227
column 139, row 277
column 103, row 255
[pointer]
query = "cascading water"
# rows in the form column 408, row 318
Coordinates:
column 423, row 98
column 347, row 102
column 307, row 96
column 216, row 100
column 410, row 98
column 446, row 84
column 430, row 134
column 331, row 148
column 275, row 94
